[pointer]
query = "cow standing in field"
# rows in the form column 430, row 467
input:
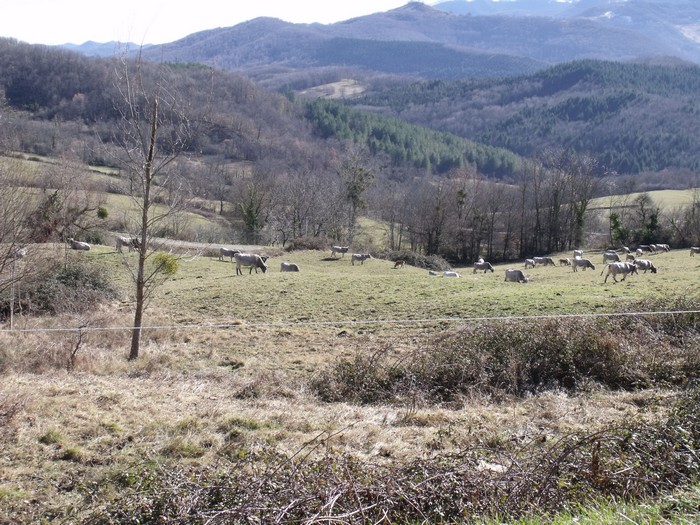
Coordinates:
column 250, row 260
column 645, row 264
column 694, row 250
column 361, row 257
column 514, row 275
column 582, row 263
column 227, row 252
column 132, row 243
column 544, row 261
column 339, row 249
column 619, row 268
column 483, row 265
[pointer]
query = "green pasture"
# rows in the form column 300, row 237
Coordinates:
column 667, row 200
column 331, row 291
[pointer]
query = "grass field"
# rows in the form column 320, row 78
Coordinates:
column 228, row 355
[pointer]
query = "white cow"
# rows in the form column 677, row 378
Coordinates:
column 514, row 275
column 250, row 260
column 694, row 250
column 583, row 263
column 529, row 263
column 578, row 253
column 564, row 261
column 289, row 267
column 610, row 257
column 339, row 249
column 619, row 268
column 482, row 265
column 78, row 245
column 545, row 261
column 227, row 252
column 362, row 257
column 130, row 242
column 451, row 274
column 645, row 264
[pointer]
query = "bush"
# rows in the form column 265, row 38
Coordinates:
column 77, row 287
column 308, row 243
column 516, row 358
column 429, row 262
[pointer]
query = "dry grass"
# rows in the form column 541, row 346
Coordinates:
column 226, row 363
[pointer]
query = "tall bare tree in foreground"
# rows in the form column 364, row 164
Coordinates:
column 154, row 130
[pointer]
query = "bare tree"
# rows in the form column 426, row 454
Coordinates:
column 154, row 130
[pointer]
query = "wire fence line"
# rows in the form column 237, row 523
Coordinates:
column 287, row 324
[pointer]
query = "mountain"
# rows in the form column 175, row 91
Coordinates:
column 455, row 39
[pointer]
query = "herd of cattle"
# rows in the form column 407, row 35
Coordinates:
column 612, row 261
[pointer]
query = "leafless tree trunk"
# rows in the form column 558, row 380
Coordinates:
column 154, row 131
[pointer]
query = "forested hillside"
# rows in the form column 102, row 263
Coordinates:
column 416, row 160
column 632, row 117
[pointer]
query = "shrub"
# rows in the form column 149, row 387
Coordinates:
column 516, row 358
column 76, row 287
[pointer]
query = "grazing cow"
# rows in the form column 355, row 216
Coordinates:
column 339, row 249
column 514, row 275
column 645, row 264
column 289, row 267
column 610, row 257
column 250, row 260
column 564, row 261
column 362, row 257
column 451, row 274
column 694, row 250
column 625, row 249
column 619, row 268
column 529, row 263
column 647, row 248
column 663, row 247
column 630, row 257
column 130, row 242
column 546, row 261
column 78, row 245
column 486, row 266
column 578, row 253
column 583, row 263
column 432, row 272
column 399, row 264
column 227, row 252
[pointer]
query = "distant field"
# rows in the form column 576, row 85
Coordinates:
column 665, row 199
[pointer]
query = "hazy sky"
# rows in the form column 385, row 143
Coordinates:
column 158, row 21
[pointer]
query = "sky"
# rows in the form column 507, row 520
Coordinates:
column 55, row 22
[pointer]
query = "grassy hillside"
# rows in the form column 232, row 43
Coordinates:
column 228, row 365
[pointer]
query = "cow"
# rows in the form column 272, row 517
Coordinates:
column 78, row 245
column 610, row 257
column 619, row 268
column 339, row 249
column 362, row 257
column 228, row 252
column 645, row 264
column 564, row 261
column 529, row 263
column 399, row 264
column 514, row 275
column 451, row 274
column 250, row 260
column 130, row 242
column 647, row 248
column 546, row 261
column 583, row 263
column 630, row 257
column 663, row 247
column 578, row 253
column 289, row 267
column 694, row 250
column 486, row 266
